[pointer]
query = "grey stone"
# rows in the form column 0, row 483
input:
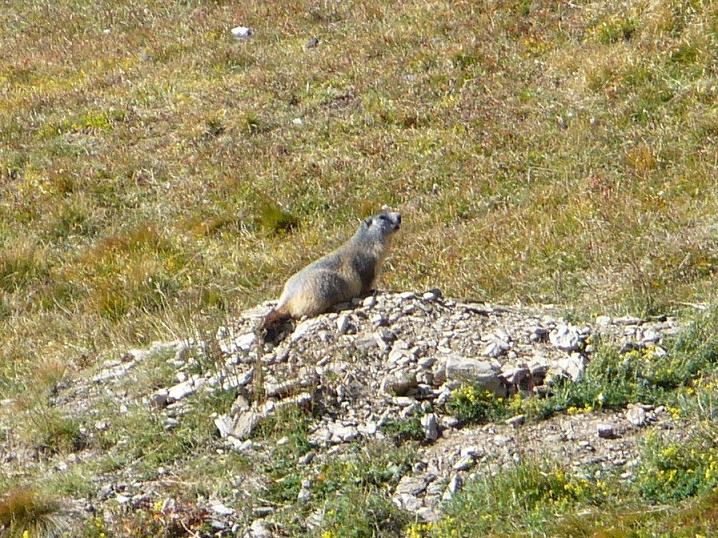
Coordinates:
column 650, row 336
column 565, row 337
column 411, row 485
column 407, row 502
column 483, row 374
column 184, row 389
column 399, row 383
column 430, row 426
column 627, row 320
column 343, row 324
column 454, row 486
column 343, row 434
column 427, row 514
column 636, row 416
column 220, row 509
column 464, row 463
column 607, row 431
column 574, row 366
column 495, row 348
column 245, row 341
column 244, row 424
column 225, row 425
column 259, row 529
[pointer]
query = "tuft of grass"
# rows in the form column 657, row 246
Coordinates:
column 358, row 514
column 400, row 430
column 21, row 266
column 53, row 431
column 616, row 29
column 527, row 497
column 27, row 512
column 275, row 220
column 471, row 404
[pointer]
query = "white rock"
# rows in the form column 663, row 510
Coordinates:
column 342, row 324
column 305, row 327
column 636, row 416
column 245, row 341
column 344, row 434
column 430, row 426
column 650, row 336
column 220, row 509
column 565, row 337
column 574, row 366
column 455, row 485
column 370, row 428
column 225, row 425
column 465, row 463
column 495, row 348
column 407, row 502
column 258, row 529
column 242, row 32
column 184, row 389
column 369, row 301
column 606, row 431
column 627, row 320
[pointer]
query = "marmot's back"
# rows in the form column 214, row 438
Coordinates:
column 341, row 275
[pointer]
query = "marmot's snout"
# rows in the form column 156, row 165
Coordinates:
column 390, row 220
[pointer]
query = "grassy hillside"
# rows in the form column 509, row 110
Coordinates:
column 158, row 175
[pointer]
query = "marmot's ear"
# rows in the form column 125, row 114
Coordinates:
column 367, row 221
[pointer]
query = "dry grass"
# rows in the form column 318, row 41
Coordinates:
column 154, row 170
column 25, row 510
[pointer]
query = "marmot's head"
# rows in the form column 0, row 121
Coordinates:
column 380, row 226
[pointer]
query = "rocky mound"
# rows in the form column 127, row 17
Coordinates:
column 391, row 357
column 384, row 361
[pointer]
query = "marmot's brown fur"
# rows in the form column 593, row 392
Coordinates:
column 349, row 271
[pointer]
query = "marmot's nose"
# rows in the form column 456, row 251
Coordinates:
column 398, row 218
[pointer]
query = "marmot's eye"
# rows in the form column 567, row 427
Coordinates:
column 382, row 217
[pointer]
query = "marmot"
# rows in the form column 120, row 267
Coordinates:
column 338, row 277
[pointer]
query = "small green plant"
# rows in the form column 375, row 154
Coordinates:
column 358, row 514
column 401, row 430
column 525, row 497
column 673, row 471
column 20, row 266
column 53, row 431
column 275, row 220
column 616, row 29
column 179, row 519
column 472, row 404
